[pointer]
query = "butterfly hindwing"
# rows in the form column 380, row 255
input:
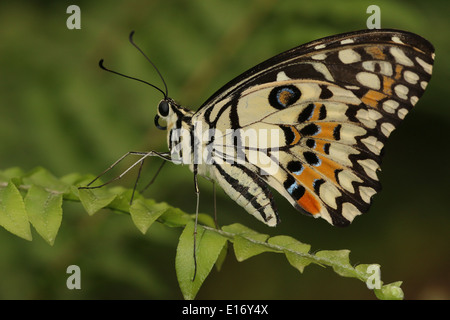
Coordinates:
column 330, row 106
column 244, row 186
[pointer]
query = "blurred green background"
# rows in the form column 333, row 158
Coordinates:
column 60, row 111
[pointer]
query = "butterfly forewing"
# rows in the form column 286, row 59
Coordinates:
column 322, row 113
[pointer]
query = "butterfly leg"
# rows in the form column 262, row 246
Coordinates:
column 154, row 177
column 197, row 192
column 215, row 205
column 151, row 181
column 136, row 182
column 144, row 155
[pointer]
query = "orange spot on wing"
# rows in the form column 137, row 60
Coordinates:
column 376, row 53
column 371, row 98
column 310, row 203
column 319, row 145
column 388, row 81
column 387, row 85
column 398, row 71
column 326, row 131
column 296, row 134
column 284, row 97
column 328, row 167
column 307, row 177
column 316, row 113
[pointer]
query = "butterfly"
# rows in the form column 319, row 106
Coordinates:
column 310, row 123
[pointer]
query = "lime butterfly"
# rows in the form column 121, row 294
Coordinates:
column 310, row 123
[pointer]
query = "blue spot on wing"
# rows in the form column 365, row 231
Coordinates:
column 292, row 188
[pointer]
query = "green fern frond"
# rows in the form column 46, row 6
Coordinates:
column 36, row 198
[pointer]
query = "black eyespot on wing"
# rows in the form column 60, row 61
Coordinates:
column 306, row 113
column 311, row 143
column 325, row 93
column 288, row 134
column 336, row 175
column 316, row 184
column 284, row 96
column 337, row 132
column 289, row 182
column 322, row 112
column 311, row 158
column 310, row 130
column 295, row 167
column 295, row 190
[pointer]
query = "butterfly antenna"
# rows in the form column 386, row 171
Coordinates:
column 125, row 76
column 142, row 52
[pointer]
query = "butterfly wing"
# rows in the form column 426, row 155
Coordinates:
column 319, row 116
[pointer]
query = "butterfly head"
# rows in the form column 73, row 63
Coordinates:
column 170, row 112
column 164, row 110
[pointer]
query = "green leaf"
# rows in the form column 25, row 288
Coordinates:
column 145, row 211
column 75, row 178
column 247, row 243
column 10, row 173
column 43, row 178
column 42, row 207
column 205, row 219
column 339, row 260
column 95, row 199
column 245, row 248
column 372, row 278
column 222, row 256
column 13, row 215
column 363, row 271
column 121, row 202
column 390, row 291
column 44, row 210
column 175, row 217
column 209, row 247
column 297, row 253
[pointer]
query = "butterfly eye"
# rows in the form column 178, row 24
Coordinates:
column 163, row 108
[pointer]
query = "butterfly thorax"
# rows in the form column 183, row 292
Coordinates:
column 185, row 139
column 179, row 129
